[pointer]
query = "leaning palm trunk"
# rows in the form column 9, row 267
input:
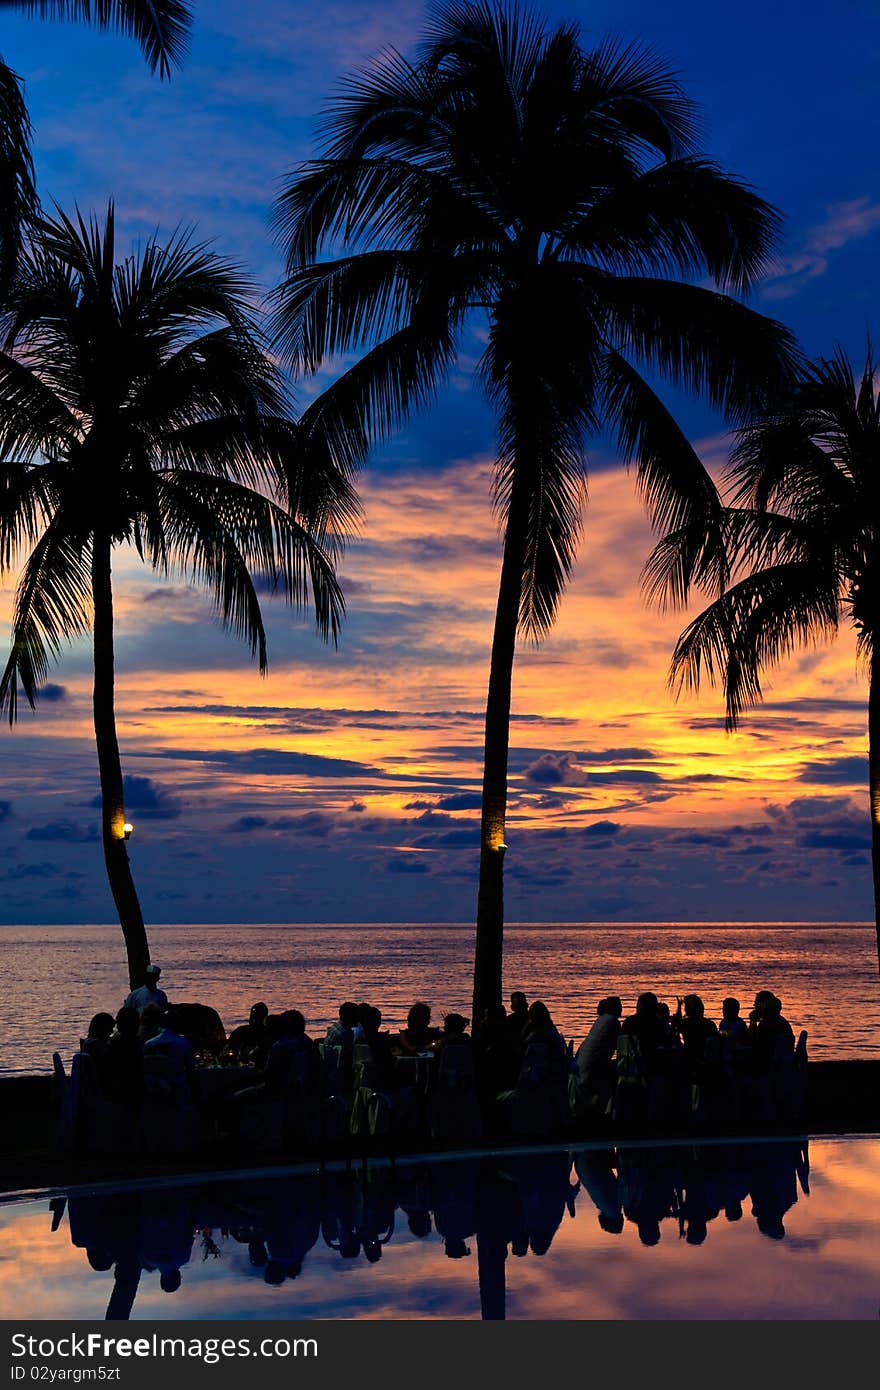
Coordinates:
column 489, row 947
column 874, row 780
column 110, row 769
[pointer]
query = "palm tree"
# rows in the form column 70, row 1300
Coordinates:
column 802, row 537
column 555, row 193
column 138, row 408
column 160, row 27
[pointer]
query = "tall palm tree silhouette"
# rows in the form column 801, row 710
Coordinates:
column 138, row 408
column 801, row 539
column 160, row 27
column 512, row 173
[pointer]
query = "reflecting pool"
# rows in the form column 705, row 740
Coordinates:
column 781, row 1229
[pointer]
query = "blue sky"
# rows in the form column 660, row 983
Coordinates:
column 788, row 93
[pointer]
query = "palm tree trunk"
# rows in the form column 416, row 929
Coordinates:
column 110, row 770
column 489, row 947
column 874, row 777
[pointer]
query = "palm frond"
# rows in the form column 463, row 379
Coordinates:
column 52, row 606
column 222, row 534
column 753, row 626
column 18, row 194
column 160, row 27
column 705, row 342
column 679, row 492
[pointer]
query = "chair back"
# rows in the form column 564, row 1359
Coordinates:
column 60, row 1079
column 365, row 1072
column 163, row 1077
column 456, row 1069
column 538, row 1064
column 800, row 1050
column 630, row 1063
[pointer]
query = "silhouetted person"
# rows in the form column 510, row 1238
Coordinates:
column 693, row 1027
column 594, row 1057
column 496, row 1054
column 770, row 1035
column 454, row 1036
column 179, row 1056
column 94, row 1044
column 645, row 1025
column 151, row 1021
column 733, row 1029
column 344, row 1031
column 418, row 1035
column 379, row 1043
column 294, row 1057
column 249, row 1042
column 518, row 1017
column 148, row 992
column 121, row 1069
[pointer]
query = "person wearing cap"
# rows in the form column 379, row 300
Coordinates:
column 149, row 992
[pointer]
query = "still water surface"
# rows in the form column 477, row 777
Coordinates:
column 778, row 1230
column 55, row 978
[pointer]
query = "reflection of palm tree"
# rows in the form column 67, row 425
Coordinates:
column 803, row 532
column 160, row 27
column 557, row 192
column 126, row 1278
column 137, row 407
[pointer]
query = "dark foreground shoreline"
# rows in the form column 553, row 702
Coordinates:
column 842, row 1098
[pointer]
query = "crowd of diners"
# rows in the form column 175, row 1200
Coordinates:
column 510, row 1050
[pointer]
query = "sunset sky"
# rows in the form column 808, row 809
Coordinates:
column 345, row 787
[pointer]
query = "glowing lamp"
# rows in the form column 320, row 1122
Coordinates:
column 126, row 830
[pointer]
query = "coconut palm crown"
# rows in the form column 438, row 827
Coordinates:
column 555, row 195
column 138, row 408
column 802, row 538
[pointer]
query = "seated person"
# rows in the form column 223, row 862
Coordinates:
column 543, row 1046
column 594, row 1057
column 379, row 1043
column 454, row 1036
column 496, row 1052
column 646, row 1025
column 693, row 1027
column 168, row 1043
column 249, row 1042
column 518, row 1019
column 769, row 1033
column 151, row 1020
column 95, row 1042
column 294, row 1058
column 148, row 992
column 732, row 1028
column 121, row 1068
column 345, row 1031
column 418, row 1035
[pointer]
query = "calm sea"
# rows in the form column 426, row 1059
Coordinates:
column 55, row 978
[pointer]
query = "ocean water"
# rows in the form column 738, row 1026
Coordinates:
column 779, row 1230
column 55, row 978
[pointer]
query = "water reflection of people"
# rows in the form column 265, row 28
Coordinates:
column 598, row 1178
column 504, row 1205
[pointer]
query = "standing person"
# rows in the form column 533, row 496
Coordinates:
column 149, row 992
